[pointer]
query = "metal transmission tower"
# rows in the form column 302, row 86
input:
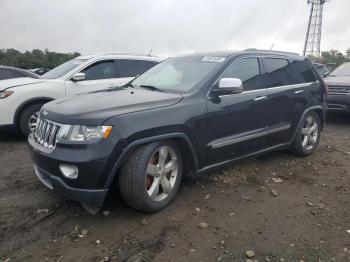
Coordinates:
column 312, row 45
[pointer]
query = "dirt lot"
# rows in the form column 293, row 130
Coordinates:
column 281, row 207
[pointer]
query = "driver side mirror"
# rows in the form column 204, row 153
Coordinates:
column 228, row 86
column 78, row 77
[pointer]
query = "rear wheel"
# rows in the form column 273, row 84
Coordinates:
column 308, row 136
column 150, row 178
column 28, row 118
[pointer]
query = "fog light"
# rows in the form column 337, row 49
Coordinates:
column 68, row 171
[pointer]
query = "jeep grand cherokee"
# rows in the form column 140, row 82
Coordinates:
column 187, row 115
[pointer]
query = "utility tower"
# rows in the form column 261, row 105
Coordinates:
column 312, row 45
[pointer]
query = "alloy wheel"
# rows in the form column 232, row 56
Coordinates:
column 161, row 174
column 309, row 133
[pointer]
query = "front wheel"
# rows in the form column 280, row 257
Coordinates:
column 150, row 178
column 28, row 118
column 308, row 135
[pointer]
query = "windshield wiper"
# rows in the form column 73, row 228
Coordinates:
column 153, row 88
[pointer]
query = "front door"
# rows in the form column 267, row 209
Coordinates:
column 98, row 76
column 237, row 122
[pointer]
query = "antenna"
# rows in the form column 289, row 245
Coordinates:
column 312, row 45
column 150, row 52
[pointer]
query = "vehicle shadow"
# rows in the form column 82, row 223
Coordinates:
column 10, row 136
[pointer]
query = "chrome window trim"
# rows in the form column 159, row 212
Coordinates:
column 249, row 137
column 218, row 78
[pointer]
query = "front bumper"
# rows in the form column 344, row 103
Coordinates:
column 338, row 102
column 93, row 198
column 92, row 162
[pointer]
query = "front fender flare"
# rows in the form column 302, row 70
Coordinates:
column 132, row 146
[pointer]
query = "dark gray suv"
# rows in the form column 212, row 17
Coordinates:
column 185, row 116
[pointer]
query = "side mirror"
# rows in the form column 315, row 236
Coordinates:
column 228, row 86
column 78, row 77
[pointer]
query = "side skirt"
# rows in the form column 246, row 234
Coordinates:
column 227, row 162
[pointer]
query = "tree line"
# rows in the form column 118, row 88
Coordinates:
column 48, row 59
column 34, row 59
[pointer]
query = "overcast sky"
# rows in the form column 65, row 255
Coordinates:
column 169, row 27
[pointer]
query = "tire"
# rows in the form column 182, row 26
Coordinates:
column 28, row 114
column 142, row 174
column 307, row 137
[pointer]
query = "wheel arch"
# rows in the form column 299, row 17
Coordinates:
column 27, row 103
column 189, row 155
column 319, row 110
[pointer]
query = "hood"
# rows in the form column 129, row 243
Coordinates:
column 95, row 108
column 337, row 80
column 16, row 82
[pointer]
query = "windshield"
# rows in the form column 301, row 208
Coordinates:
column 343, row 70
column 63, row 69
column 179, row 74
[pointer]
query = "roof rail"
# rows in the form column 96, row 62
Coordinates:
column 127, row 53
column 271, row 51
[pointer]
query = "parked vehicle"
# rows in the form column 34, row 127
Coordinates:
column 339, row 88
column 9, row 72
column 187, row 115
column 39, row 71
column 322, row 69
column 21, row 99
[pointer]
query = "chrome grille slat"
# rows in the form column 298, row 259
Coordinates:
column 46, row 133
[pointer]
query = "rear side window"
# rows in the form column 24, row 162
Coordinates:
column 132, row 68
column 246, row 69
column 100, row 70
column 302, row 72
column 278, row 72
column 6, row 74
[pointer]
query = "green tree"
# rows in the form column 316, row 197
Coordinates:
column 34, row 59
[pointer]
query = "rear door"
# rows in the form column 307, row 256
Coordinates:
column 237, row 122
column 100, row 75
column 128, row 69
column 279, row 80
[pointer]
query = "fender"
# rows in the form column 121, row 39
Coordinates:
column 126, row 152
column 27, row 102
column 313, row 108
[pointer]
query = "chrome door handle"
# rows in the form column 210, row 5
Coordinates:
column 260, row 98
column 298, row 91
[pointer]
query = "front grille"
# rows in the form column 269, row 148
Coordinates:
column 339, row 90
column 46, row 133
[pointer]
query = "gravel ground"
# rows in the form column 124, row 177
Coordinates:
column 273, row 208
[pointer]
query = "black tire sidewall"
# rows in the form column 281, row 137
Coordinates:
column 148, row 204
column 299, row 149
column 24, row 118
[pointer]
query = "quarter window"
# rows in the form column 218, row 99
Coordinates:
column 302, row 72
column 132, row 68
column 278, row 72
column 100, row 70
column 246, row 69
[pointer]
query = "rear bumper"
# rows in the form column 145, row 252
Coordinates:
column 339, row 102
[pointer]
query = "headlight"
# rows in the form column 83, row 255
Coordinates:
column 90, row 134
column 5, row 94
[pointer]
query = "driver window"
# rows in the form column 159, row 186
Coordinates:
column 100, row 70
column 246, row 69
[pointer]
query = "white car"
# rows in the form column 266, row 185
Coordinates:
column 22, row 98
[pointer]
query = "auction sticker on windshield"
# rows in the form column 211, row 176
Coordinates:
column 215, row 59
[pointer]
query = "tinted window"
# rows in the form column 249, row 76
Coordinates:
column 278, row 72
column 5, row 74
column 302, row 72
column 247, row 70
column 132, row 68
column 100, row 70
